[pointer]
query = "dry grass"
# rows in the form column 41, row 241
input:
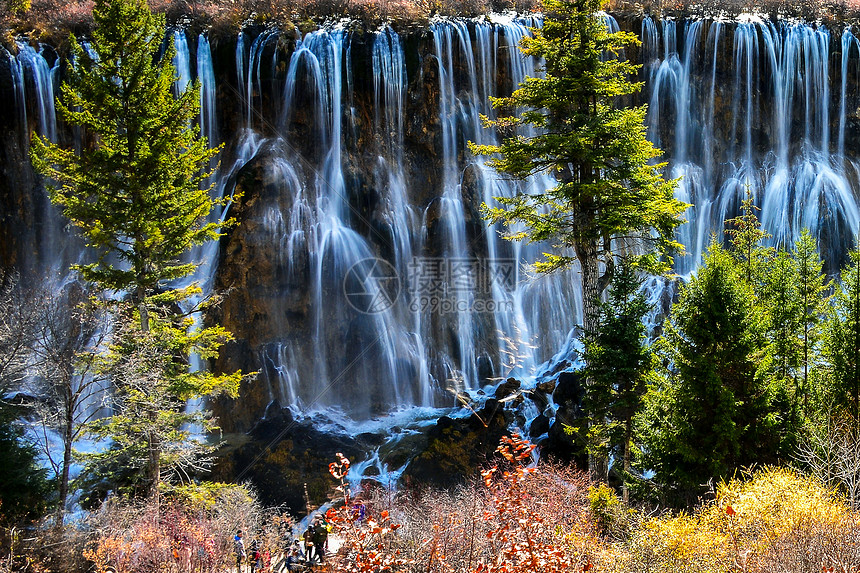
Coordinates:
column 518, row 519
column 826, row 11
column 53, row 20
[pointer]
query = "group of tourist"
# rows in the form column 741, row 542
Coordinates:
column 300, row 554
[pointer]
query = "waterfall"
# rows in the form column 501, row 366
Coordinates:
column 206, row 77
column 181, row 62
column 32, row 63
column 371, row 283
column 779, row 141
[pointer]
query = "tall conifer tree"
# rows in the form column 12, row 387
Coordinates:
column 619, row 363
column 842, row 340
column 710, row 414
column 608, row 190
column 813, row 286
column 137, row 194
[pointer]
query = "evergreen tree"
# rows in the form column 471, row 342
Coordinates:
column 779, row 307
column 842, row 340
column 812, row 286
column 709, row 413
column 572, row 127
column 137, row 195
column 781, row 303
column 780, row 312
column 618, row 364
column 607, row 189
column 746, row 238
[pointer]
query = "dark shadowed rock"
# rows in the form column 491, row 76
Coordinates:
column 458, row 447
column 540, row 426
column 568, row 395
column 507, row 388
column 282, row 454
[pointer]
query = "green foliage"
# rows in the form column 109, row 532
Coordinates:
column 842, row 340
column 14, row 6
column 710, row 413
column 206, row 495
column 24, row 487
column 618, row 365
column 137, row 194
column 784, row 314
column 573, row 128
column 607, row 510
column 812, row 290
column 737, row 350
column 746, row 237
column 150, row 429
column 779, row 307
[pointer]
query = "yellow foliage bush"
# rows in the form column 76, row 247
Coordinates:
column 771, row 520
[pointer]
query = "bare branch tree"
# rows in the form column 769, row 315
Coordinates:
column 831, row 453
column 18, row 317
column 70, row 331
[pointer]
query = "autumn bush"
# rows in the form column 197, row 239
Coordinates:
column 526, row 517
column 51, row 21
column 189, row 530
column 773, row 519
column 520, row 517
column 828, row 11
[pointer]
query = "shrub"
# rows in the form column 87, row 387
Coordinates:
column 153, row 536
column 771, row 520
column 520, row 517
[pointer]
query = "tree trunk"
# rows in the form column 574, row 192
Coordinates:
column 154, row 466
column 628, row 438
column 141, row 307
column 67, row 462
column 587, row 254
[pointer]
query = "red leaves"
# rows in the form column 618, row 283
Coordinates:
column 519, row 537
column 340, row 468
column 366, row 546
column 730, row 511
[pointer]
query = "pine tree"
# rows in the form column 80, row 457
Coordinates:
column 619, row 363
column 747, row 238
column 842, row 340
column 709, row 413
column 782, row 304
column 137, row 195
column 608, row 191
column 813, row 287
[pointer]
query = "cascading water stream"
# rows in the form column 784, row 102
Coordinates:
column 779, row 140
column 332, row 175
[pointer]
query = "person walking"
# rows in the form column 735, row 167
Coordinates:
column 256, row 556
column 308, row 537
column 320, row 537
column 239, row 549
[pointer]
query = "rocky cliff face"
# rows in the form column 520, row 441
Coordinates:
column 349, row 146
